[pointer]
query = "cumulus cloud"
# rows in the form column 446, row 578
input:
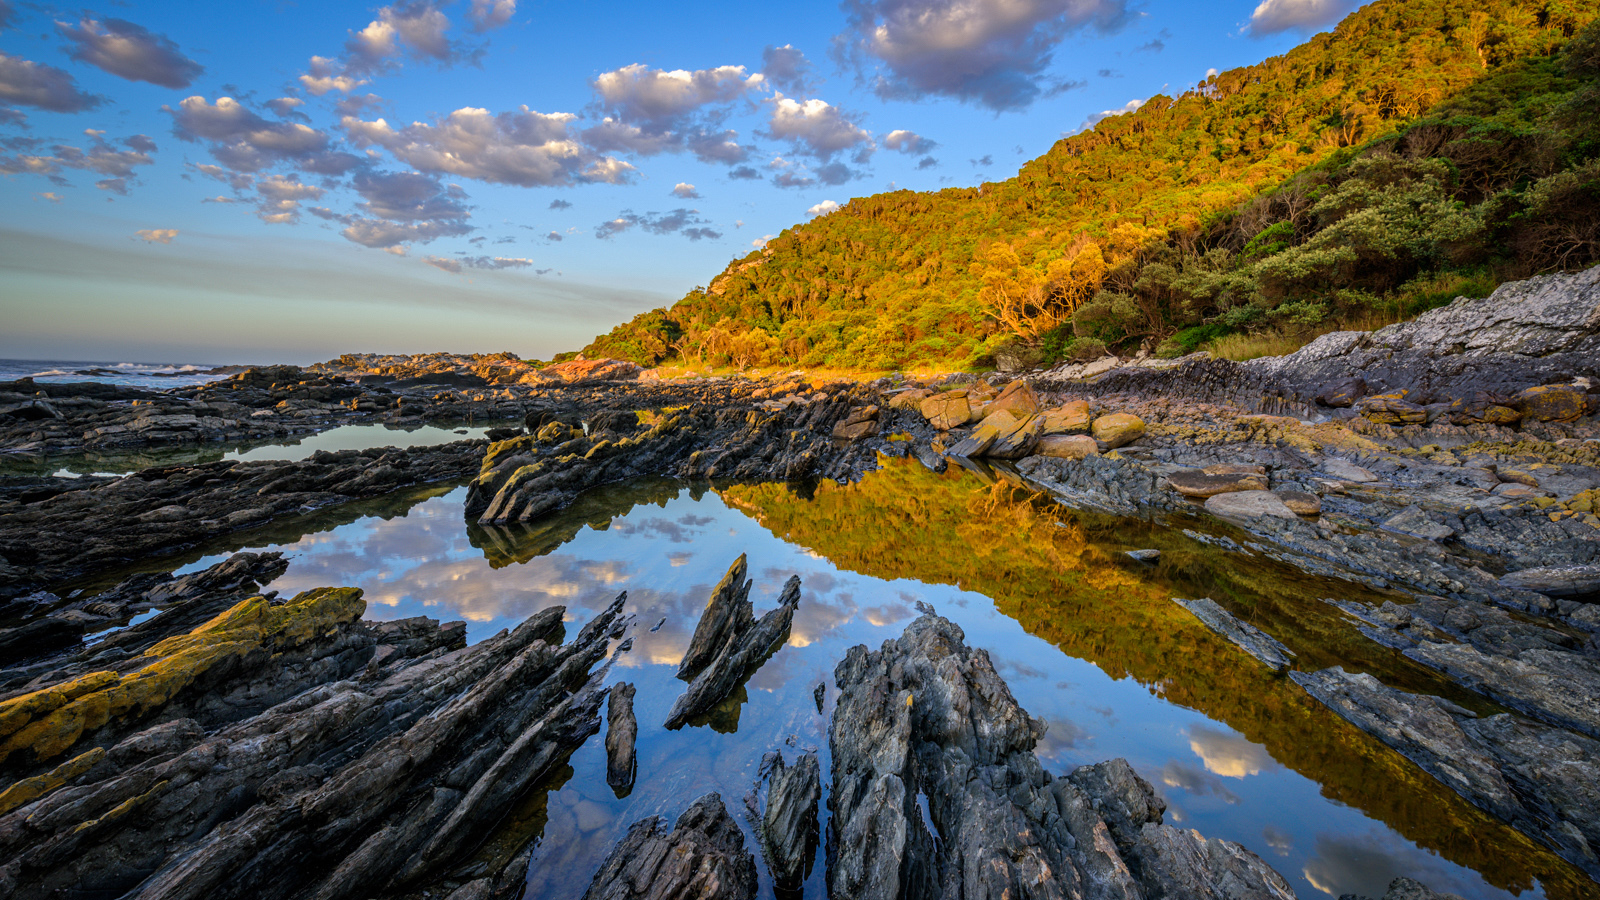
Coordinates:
column 685, row 191
column 245, row 142
column 477, row 262
column 52, row 196
column 927, row 162
column 989, row 52
column 486, row 15
column 288, row 107
column 409, row 196
column 156, row 235
column 760, row 243
column 526, row 148
column 744, row 173
column 27, row 83
column 816, row 128
column 560, row 204
column 385, row 235
column 325, row 74
column 553, row 236
column 1273, row 16
column 823, row 208
column 414, row 28
column 649, row 111
column 130, row 51
column 118, row 165
column 281, row 196
column 787, row 69
column 909, row 142
column 678, row 221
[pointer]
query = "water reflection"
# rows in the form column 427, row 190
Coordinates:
column 1089, row 642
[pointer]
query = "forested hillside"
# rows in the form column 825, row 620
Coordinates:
column 1423, row 149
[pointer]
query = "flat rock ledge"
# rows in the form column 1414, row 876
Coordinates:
column 1544, row 781
column 926, row 721
column 1252, row 640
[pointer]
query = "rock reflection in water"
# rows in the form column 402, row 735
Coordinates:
column 1089, row 641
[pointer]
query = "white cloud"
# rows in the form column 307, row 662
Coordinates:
column 326, row 75
column 823, row 208
column 525, row 148
column 1273, row 16
column 989, row 52
column 815, row 127
column 685, row 191
column 1095, row 118
column 638, row 93
column 156, row 235
column 486, row 15
column 908, row 142
column 760, row 243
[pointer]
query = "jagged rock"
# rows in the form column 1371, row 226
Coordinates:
column 1413, row 521
column 1544, row 781
column 1252, row 640
column 1067, row 446
column 1552, row 684
column 621, row 731
column 911, row 399
column 1118, row 429
column 1000, row 435
column 1248, row 505
column 789, row 830
column 580, row 371
column 702, row 858
column 1565, row 581
column 1406, row 889
column 295, row 762
column 927, row 720
column 1194, row 483
column 948, row 410
column 729, row 643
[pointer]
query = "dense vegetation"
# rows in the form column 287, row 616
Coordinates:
column 1422, row 150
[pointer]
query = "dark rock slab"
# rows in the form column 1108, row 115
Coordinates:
column 733, row 650
column 927, row 723
column 622, row 729
column 1564, row 581
column 789, row 829
column 702, row 858
column 1252, row 640
column 1543, row 781
column 1558, row 686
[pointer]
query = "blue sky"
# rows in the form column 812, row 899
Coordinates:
column 268, row 180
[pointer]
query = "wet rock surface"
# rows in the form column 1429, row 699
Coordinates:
column 703, row 857
column 926, row 721
column 285, row 748
column 730, row 643
column 789, row 829
column 1243, row 635
column 622, row 729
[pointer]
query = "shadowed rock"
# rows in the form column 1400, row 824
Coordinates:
column 702, row 858
column 925, row 722
column 621, row 731
column 733, row 646
column 789, row 827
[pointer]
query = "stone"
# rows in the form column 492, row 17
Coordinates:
column 1555, row 685
column 1252, row 640
column 855, row 431
column 789, row 829
column 730, row 644
column 1413, row 521
column 948, row 410
column 1567, row 582
column 1194, row 483
column 1391, row 409
column 1118, row 429
column 1234, row 469
column 1300, row 502
column 1552, row 403
column 702, row 858
column 1248, row 505
column 1067, row 446
column 1342, row 394
column 1513, row 491
column 1483, row 408
column 581, row 371
column 910, row 399
column 984, row 435
column 1515, row 476
column 622, row 729
column 1069, row 418
column 1344, row 470
column 1016, row 398
column 1145, row 555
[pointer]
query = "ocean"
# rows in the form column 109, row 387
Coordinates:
column 145, row 375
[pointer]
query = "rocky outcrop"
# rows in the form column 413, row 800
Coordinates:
column 165, row 509
column 789, row 830
column 1544, row 781
column 1252, row 640
column 730, row 644
column 926, row 723
column 702, row 858
column 288, row 749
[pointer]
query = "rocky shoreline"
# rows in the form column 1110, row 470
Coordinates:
column 1454, row 460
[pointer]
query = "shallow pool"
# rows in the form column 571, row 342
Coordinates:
column 1088, row 639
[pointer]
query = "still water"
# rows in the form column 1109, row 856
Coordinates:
column 1089, row 641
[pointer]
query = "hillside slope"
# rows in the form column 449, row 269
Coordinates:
column 1421, row 149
